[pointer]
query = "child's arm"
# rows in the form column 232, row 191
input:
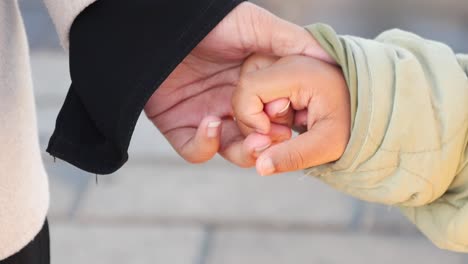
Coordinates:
column 408, row 146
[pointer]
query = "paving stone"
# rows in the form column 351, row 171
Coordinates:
column 46, row 124
column 67, row 185
column 51, row 77
column 383, row 218
column 247, row 246
column 39, row 27
column 214, row 193
column 78, row 244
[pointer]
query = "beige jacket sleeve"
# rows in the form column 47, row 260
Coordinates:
column 408, row 145
column 63, row 13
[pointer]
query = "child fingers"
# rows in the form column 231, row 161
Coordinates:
column 279, row 133
column 279, row 130
column 252, row 64
column 254, row 144
column 248, row 111
column 258, row 88
column 317, row 146
column 272, row 83
column 280, row 112
column 277, row 107
column 300, row 118
column 245, row 129
column 243, row 151
column 300, row 121
column 240, row 150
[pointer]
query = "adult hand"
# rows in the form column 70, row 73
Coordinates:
column 192, row 108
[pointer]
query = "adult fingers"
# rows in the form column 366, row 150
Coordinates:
column 254, row 144
column 244, row 151
column 197, row 145
column 232, row 145
column 266, row 33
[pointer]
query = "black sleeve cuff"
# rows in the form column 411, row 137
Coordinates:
column 120, row 52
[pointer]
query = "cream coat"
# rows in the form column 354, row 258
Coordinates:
column 24, row 195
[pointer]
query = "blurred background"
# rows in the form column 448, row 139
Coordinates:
column 158, row 209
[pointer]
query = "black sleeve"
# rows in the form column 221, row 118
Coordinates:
column 120, row 52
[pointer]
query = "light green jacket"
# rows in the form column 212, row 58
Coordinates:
column 408, row 147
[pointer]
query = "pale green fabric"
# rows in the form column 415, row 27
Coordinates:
column 408, row 147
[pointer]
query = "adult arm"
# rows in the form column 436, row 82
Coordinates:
column 120, row 52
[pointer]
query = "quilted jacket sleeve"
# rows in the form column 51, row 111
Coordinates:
column 408, row 145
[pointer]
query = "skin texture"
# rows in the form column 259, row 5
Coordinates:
column 319, row 100
column 192, row 108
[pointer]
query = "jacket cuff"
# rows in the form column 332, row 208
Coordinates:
column 347, row 55
column 410, row 117
column 120, row 52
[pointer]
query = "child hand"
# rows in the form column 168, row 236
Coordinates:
column 318, row 98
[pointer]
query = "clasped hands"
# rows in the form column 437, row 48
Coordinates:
column 245, row 86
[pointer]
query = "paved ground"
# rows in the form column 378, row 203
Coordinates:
column 158, row 209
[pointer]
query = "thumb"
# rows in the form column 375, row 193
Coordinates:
column 197, row 145
column 317, row 146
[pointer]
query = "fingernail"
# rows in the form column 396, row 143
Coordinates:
column 284, row 110
column 212, row 130
column 266, row 167
column 261, row 149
